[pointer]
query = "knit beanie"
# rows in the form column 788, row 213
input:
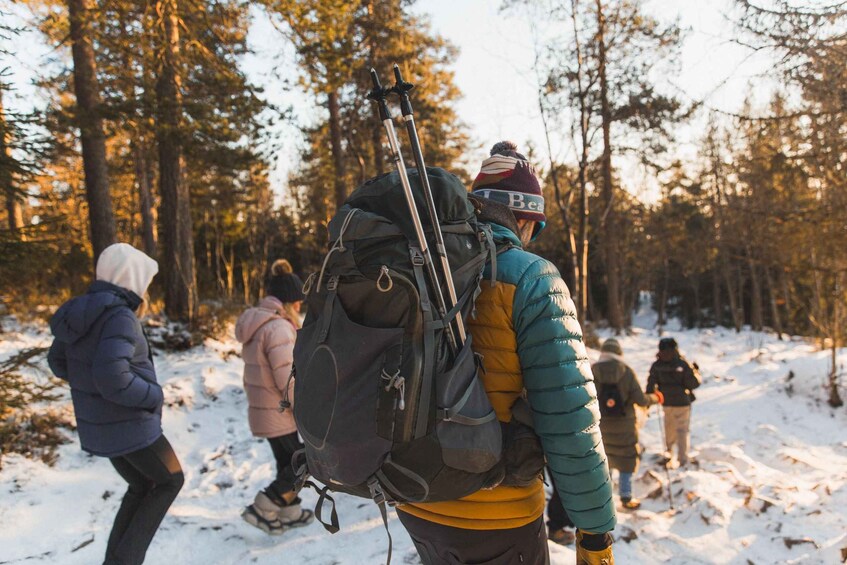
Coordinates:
column 125, row 266
column 508, row 177
column 668, row 344
column 611, row 345
column 284, row 285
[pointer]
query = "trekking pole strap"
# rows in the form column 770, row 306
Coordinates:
column 331, row 526
column 378, row 497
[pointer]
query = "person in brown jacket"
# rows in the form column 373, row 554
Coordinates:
column 618, row 392
column 267, row 333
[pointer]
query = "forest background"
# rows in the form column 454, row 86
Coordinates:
column 153, row 123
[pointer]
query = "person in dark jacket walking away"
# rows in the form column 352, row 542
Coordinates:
column 619, row 392
column 676, row 379
column 526, row 329
column 268, row 332
column 101, row 350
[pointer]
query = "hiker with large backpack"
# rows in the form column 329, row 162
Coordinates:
column 618, row 393
column 268, row 332
column 394, row 399
column 676, row 379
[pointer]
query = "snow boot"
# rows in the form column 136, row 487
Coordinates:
column 630, row 503
column 562, row 536
column 293, row 516
column 264, row 514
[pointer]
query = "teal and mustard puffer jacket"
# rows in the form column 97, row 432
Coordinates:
column 527, row 331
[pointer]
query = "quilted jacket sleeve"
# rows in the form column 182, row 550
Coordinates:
column 279, row 351
column 560, row 389
column 634, row 392
column 111, row 366
column 57, row 359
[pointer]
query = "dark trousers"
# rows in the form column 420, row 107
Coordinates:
column 155, row 478
column 557, row 517
column 443, row 545
column 283, row 448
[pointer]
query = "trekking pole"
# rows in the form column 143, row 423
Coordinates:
column 402, row 89
column 664, row 445
column 378, row 94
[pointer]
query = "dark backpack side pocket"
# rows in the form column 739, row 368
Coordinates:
column 467, row 427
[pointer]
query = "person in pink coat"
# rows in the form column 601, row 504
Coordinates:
column 267, row 333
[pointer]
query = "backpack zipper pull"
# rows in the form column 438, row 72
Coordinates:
column 400, row 385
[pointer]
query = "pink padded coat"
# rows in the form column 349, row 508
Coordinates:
column 268, row 352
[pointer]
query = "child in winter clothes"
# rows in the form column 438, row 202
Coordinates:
column 672, row 374
column 618, row 424
column 268, row 332
column 101, row 350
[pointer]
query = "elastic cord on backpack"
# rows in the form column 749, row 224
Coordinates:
column 338, row 245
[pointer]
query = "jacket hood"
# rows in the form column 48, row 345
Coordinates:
column 254, row 318
column 609, row 356
column 75, row 317
column 125, row 266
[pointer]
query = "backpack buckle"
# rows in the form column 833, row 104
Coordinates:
column 417, row 256
column 332, row 284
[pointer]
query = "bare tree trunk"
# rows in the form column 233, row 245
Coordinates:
column 734, row 304
column 145, row 198
column 756, row 317
column 662, row 305
column 786, row 294
column 717, row 303
column 14, row 214
column 582, row 181
column 337, row 151
column 87, row 91
column 609, row 223
column 776, row 319
column 563, row 202
column 175, row 216
column 834, row 377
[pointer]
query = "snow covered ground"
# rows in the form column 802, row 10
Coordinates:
column 769, row 488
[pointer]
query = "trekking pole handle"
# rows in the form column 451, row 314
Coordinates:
column 378, row 95
column 402, row 88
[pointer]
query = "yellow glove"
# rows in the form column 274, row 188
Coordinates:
column 597, row 555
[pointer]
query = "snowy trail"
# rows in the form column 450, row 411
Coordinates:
column 769, row 488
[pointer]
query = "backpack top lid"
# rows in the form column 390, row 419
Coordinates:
column 383, row 195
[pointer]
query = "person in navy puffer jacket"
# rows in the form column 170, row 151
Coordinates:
column 101, row 350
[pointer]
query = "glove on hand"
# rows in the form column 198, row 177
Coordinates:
column 660, row 398
column 594, row 549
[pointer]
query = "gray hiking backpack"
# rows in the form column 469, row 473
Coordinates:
column 385, row 409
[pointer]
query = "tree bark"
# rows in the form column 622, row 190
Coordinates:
column 175, row 211
column 756, row 317
column 717, row 303
column 734, row 304
column 86, row 88
column 582, row 181
column 145, row 198
column 337, row 151
column 610, row 228
column 14, row 214
column 776, row 319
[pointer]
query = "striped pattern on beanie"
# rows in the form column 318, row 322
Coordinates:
column 511, row 181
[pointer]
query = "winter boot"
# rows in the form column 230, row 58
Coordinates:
column 293, row 516
column 264, row 514
column 562, row 536
column 630, row 503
